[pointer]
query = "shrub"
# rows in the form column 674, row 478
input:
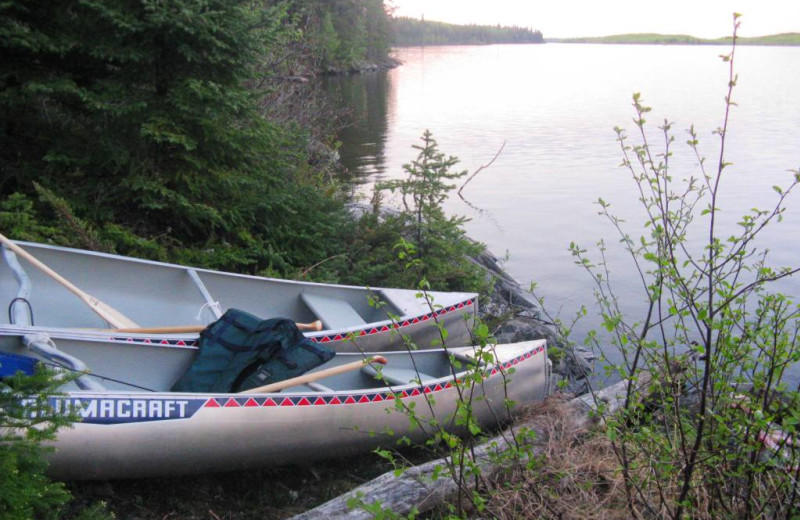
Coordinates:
column 714, row 436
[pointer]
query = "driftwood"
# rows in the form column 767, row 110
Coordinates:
column 416, row 487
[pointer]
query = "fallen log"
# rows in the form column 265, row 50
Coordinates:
column 416, row 488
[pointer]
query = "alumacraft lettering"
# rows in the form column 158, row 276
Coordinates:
column 121, row 410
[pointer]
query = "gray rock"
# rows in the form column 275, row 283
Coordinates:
column 522, row 322
column 508, row 296
column 523, row 328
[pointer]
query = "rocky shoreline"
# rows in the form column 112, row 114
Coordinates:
column 358, row 67
column 516, row 315
column 520, row 320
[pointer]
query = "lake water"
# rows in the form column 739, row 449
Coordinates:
column 553, row 108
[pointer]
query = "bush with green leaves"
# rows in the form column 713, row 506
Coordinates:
column 453, row 437
column 714, row 434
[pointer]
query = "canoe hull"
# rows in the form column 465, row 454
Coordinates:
column 131, row 435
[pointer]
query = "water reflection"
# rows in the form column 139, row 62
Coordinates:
column 363, row 140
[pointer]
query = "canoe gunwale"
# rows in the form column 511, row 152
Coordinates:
column 198, row 270
column 185, row 340
column 328, row 397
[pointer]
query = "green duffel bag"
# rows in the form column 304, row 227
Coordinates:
column 287, row 363
column 233, row 348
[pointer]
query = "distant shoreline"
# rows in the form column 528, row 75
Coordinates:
column 784, row 39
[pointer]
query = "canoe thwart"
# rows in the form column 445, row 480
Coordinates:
column 211, row 304
column 396, row 376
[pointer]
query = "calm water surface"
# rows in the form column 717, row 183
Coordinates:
column 553, row 107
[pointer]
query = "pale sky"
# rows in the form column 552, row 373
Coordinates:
column 565, row 18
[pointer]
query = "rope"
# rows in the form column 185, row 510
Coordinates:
column 214, row 307
column 99, row 376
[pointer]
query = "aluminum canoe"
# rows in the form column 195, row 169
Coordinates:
column 131, row 426
column 157, row 294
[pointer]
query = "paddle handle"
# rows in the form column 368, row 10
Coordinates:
column 314, row 376
column 183, row 329
column 314, row 326
column 111, row 315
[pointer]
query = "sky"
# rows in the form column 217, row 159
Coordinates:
column 572, row 18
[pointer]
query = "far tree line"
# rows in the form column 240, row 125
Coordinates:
column 410, row 31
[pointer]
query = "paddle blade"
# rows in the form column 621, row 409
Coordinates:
column 114, row 318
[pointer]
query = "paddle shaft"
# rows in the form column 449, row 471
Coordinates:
column 314, row 376
column 182, row 329
column 105, row 311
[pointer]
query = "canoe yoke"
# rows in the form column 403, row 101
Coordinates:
column 334, row 313
column 396, row 376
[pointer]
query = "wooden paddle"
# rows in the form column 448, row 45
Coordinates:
column 315, row 326
column 105, row 311
column 314, row 376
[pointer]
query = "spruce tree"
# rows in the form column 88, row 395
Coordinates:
column 144, row 117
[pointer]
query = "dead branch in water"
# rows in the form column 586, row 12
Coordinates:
column 481, row 168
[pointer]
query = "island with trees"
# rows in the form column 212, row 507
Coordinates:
column 682, row 39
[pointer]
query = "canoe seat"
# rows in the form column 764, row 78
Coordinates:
column 406, row 302
column 467, row 358
column 396, row 376
column 334, row 313
column 318, row 387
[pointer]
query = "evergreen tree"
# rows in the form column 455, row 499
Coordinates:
column 410, row 31
column 143, row 116
column 27, row 419
column 434, row 242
